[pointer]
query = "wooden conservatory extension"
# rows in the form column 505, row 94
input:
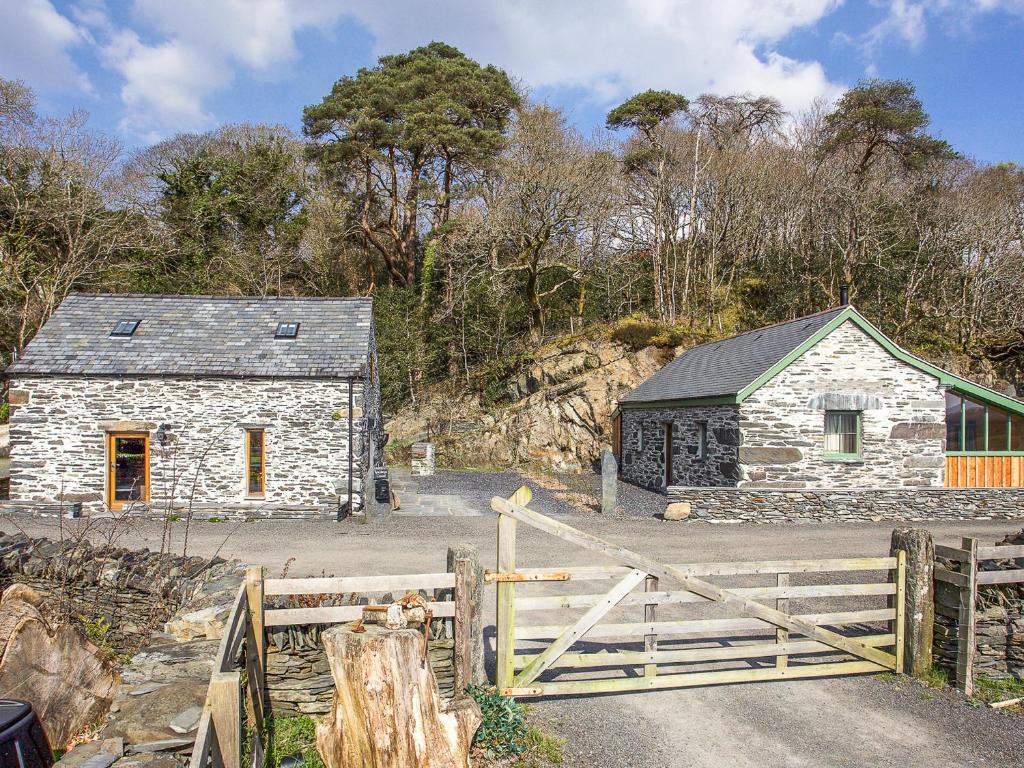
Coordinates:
column 984, row 442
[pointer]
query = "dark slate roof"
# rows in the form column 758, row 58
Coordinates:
column 724, row 368
column 201, row 336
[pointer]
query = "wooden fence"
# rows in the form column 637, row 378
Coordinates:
column 234, row 697
column 790, row 645
column 967, row 580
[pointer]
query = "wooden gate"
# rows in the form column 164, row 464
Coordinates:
column 750, row 633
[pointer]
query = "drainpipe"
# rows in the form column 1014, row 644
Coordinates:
column 351, row 448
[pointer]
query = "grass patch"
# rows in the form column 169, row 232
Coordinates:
column 937, row 677
column 294, row 735
column 992, row 689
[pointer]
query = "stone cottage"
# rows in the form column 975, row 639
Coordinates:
column 821, row 402
column 222, row 405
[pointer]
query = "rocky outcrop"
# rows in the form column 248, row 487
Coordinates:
column 57, row 669
column 557, row 415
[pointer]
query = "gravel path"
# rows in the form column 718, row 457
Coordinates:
column 553, row 494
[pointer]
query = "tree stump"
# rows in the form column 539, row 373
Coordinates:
column 387, row 711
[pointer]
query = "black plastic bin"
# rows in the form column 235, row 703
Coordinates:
column 23, row 742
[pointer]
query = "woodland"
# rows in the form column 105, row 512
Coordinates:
column 485, row 224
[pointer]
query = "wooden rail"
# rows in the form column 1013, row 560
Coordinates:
column 233, row 696
column 969, row 555
column 800, row 639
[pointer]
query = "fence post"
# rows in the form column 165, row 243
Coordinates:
column 225, row 701
column 254, row 601
column 919, row 598
column 650, row 641
column 463, row 663
column 506, row 614
column 966, row 641
column 474, row 597
column 781, row 633
column 901, row 608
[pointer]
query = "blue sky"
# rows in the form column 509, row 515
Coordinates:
column 145, row 69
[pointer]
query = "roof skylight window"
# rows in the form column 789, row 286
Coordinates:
column 125, row 328
column 287, row 331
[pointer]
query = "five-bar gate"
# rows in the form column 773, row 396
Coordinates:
column 689, row 625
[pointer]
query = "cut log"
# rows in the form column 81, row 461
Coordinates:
column 387, row 711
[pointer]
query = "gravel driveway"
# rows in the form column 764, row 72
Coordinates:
column 856, row 721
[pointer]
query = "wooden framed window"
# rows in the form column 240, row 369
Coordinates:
column 843, row 434
column 127, row 469
column 702, row 440
column 255, row 462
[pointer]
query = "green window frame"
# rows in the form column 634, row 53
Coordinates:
column 1007, row 430
column 843, row 434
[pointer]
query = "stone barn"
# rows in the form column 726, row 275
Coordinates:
column 820, row 403
column 264, row 407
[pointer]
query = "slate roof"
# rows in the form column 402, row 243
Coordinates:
column 205, row 336
column 724, row 368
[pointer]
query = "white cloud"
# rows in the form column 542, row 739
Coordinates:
column 613, row 48
column 34, row 46
column 197, row 47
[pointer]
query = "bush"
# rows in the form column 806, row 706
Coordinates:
column 638, row 333
column 503, row 731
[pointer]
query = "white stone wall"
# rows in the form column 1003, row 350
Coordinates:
column 903, row 420
column 58, row 440
column 643, row 446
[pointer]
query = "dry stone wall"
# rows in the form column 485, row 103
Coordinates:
column 821, row 505
column 902, row 413
column 998, row 625
column 58, row 448
column 298, row 677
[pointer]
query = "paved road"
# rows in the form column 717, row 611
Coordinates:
column 864, row 721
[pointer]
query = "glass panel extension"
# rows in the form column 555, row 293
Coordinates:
column 974, row 426
column 1017, row 433
column 954, row 412
column 998, row 430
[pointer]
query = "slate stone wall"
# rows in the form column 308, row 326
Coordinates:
column 299, row 679
column 58, row 447
column 820, row 505
column 643, row 446
column 903, row 420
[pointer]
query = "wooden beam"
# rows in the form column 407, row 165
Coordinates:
column 1004, row 552
column 698, row 627
column 744, row 651
column 336, row 614
column 505, row 619
column 338, row 585
column 597, row 572
column 492, row 577
column 577, row 630
column 698, row 586
column 966, row 640
column 781, row 633
column 1001, row 577
column 224, row 700
column 650, row 616
column 463, row 655
column 690, row 679
column 570, row 602
column 901, row 607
